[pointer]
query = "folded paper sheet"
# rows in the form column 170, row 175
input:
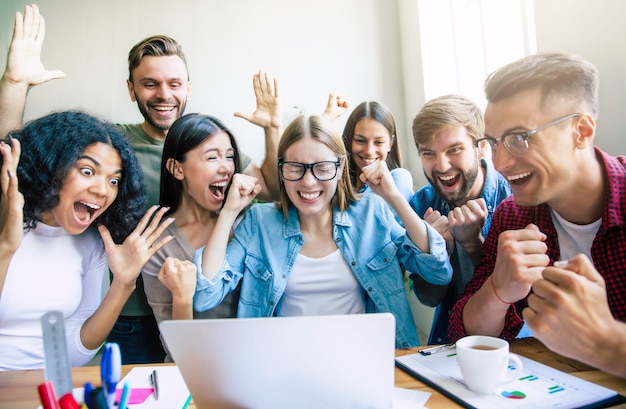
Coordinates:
column 173, row 392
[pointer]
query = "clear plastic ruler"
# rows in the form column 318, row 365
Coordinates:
column 57, row 364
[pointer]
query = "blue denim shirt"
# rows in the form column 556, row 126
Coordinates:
column 495, row 189
column 264, row 248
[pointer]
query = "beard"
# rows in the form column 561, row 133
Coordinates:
column 152, row 121
column 460, row 196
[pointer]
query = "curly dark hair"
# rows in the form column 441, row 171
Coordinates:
column 52, row 144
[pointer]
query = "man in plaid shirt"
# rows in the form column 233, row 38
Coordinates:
column 568, row 206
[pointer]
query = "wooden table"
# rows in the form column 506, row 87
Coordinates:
column 18, row 389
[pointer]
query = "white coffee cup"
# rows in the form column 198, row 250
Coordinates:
column 484, row 363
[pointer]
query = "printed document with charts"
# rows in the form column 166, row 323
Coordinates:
column 538, row 386
column 172, row 391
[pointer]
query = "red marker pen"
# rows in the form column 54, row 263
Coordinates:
column 47, row 396
column 67, row 401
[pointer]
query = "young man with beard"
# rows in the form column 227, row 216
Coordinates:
column 159, row 83
column 569, row 198
column 463, row 193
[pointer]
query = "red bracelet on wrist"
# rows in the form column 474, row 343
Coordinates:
column 493, row 286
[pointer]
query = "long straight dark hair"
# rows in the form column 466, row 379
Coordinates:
column 186, row 133
column 381, row 114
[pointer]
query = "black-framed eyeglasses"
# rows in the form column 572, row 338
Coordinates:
column 322, row 171
column 517, row 142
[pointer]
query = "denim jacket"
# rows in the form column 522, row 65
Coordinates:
column 374, row 245
column 495, row 189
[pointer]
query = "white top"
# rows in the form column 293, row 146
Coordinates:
column 321, row 286
column 51, row 270
column 574, row 238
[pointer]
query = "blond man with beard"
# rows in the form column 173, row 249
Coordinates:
column 459, row 202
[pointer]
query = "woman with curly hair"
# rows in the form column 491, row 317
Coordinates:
column 76, row 172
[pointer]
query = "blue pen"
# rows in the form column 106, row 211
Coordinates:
column 124, row 397
column 110, row 371
column 87, row 395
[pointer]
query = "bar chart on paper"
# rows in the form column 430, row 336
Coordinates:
column 538, row 384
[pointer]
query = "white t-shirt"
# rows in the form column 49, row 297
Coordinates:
column 51, row 270
column 321, row 286
column 574, row 238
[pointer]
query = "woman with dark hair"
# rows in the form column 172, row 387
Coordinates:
column 200, row 157
column 76, row 172
column 370, row 135
column 59, row 140
column 188, row 134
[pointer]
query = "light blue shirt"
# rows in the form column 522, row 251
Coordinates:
column 495, row 189
column 373, row 244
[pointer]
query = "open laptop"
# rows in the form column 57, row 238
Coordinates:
column 336, row 361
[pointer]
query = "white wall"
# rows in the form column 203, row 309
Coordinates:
column 596, row 31
column 366, row 49
column 313, row 47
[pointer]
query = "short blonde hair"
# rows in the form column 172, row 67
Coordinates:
column 445, row 112
column 558, row 76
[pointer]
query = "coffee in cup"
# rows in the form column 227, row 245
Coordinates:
column 483, row 347
column 484, row 363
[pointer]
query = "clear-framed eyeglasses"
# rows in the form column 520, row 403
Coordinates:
column 517, row 142
column 322, row 171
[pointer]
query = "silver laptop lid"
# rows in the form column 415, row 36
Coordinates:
column 336, row 361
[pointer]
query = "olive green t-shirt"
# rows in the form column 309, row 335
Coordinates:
column 149, row 152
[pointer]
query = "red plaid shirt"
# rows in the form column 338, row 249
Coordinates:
column 608, row 250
